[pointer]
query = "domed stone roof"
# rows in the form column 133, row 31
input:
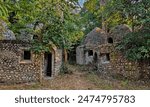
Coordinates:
column 118, row 32
column 95, row 37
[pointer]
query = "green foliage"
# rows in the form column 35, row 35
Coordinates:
column 90, row 15
column 136, row 45
column 22, row 12
column 4, row 9
column 61, row 26
column 132, row 13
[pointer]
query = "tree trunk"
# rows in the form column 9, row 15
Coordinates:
column 141, row 64
column 65, row 56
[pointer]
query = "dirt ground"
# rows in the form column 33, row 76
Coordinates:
column 80, row 79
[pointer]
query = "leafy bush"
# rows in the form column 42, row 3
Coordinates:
column 136, row 45
column 65, row 69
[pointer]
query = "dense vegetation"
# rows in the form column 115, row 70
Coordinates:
column 64, row 28
column 59, row 24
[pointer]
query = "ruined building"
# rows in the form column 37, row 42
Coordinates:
column 18, row 64
column 99, row 49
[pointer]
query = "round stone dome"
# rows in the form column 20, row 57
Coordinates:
column 95, row 37
column 118, row 32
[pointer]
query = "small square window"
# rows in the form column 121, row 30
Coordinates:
column 105, row 58
column 35, row 37
column 27, row 55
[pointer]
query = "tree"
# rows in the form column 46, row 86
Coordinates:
column 136, row 44
column 4, row 9
column 60, row 25
column 90, row 15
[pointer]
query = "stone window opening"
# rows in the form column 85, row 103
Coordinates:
column 105, row 58
column 27, row 55
column 90, row 53
column 110, row 40
column 35, row 37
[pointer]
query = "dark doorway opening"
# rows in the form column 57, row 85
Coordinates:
column 95, row 57
column 48, row 64
column 107, row 57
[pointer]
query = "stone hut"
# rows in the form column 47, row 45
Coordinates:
column 87, row 52
column 18, row 64
column 118, row 64
column 109, row 59
column 117, row 33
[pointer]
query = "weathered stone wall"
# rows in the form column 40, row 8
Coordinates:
column 14, row 71
column 58, row 61
column 83, row 57
column 80, row 57
column 119, row 65
column 88, row 59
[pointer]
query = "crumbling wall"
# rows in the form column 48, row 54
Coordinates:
column 57, row 61
column 80, row 55
column 119, row 65
column 14, row 71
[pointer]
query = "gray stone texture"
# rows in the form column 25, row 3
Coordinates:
column 5, row 32
column 14, row 70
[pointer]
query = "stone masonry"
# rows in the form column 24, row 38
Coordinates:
column 119, row 65
column 15, row 70
column 99, row 48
